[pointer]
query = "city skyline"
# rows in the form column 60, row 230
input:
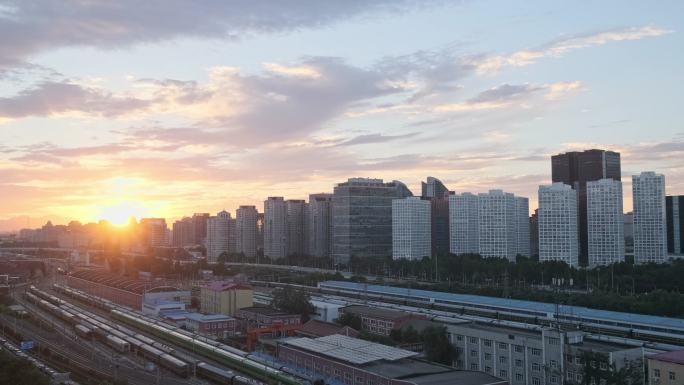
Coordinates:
column 159, row 120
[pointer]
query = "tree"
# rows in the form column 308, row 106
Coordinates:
column 437, row 346
column 351, row 320
column 293, row 301
column 15, row 370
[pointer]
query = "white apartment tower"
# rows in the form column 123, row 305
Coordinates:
column 557, row 220
column 246, row 229
column 275, row 228
column 498, row 225
column 650, row 234
column 464, row 228
column 605, row 222
column 411, row 228
column 220, row 235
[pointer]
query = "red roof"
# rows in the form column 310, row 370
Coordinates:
column 227, row 285
column 676, row 357
column 316, row 328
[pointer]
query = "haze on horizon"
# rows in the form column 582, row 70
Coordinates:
column 112, row 109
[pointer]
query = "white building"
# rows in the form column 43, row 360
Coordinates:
column 411, row 228
column 246, row 229
column 220, row 235
column 650, row 234
column 275, row 228
column 464, row 228
column 557, row 219
column 605, row 227
column 498, row 220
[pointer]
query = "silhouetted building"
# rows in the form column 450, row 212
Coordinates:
column 246, row 228
column 534, row 234
column 296, row 214
column 319, row 234
column 576, row 169
column 220, row 236
column 183, row 234
column 275, row 228
column 675, row 224
column 438, row 195
column 199, row 223
column 153, row 231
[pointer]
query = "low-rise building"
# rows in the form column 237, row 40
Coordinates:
column 379, row 321
column 342, row 359
column 155, row 307
column 666, row 368
column 218, row 325
column 262, row 317
column 225, row 297
column 315, row 328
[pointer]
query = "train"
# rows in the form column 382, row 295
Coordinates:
column 55, row 376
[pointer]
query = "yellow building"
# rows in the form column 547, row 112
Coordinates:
column 666, row 368
column 225, row 297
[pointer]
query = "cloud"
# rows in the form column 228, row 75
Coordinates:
column 375, row 138
column 33, row 26
column 561, row 46
column 494, row 98
column 57, row 98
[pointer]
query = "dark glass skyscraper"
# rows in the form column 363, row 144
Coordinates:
column 438, row 195
column 674, row 205
column 576, row 169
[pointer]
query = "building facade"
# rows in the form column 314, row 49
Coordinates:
column 605, row 222
column 246, row 230
column 377, row 320
column 296, row 218
column 437, row 193
column 578, row 168
column 183, row 234
column 225, row 297
column 275, row 228
column 666, row 368
column 153, row 232
column 319, row 226
column 220, row 236
column 503, row 225
column 411, row 228
column 650, row 223
column 558, row 226
column 522, row 232
column 675, row 224
column 362, row 218
column 199, row 224
column 464, row 224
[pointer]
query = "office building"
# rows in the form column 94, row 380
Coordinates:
column 578, row 168
column 464, row 224
column 675, row 224
column 605, row 222
column 246, row 229
column 220, row 236
column 438, row 195
column 650, row 223
column 199, row 224
column 319, row 226
column 275, row 228
column 296, row 214
column 362, row 218
column 411, row 228
column 153, row 232
column 558, row 238
column 183, row 233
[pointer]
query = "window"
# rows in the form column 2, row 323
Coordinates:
column 518, row 348
column 503, row 373
column 604, row 366
column 536, row 352
column 570, row 358
column 503, row 345
column 487, row 343
column 459, row 337
column 518, row 363
column 571, row 375
column 553, row 363
column 488, row 369
column 472, row 340
column 672, row 376
column 503, row 359
column 554, row 379
column 488, row 356
column 518, row 377
column 656, row 373
column 536, row 381
column 473, row 353
column 554, row 341
column 536, row 367
column 473, row 366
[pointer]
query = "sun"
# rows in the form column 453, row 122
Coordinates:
column 120, row 213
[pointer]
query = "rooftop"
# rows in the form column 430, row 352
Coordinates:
column 267, row 311
column 425, row 373
column 676, row 357
column 131, row 285
column 349, row 349
column 316, row 328
column 227, row 285
column 208, row 317
column 375, row 312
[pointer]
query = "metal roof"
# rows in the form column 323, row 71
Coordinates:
column 348, row 349
column 514, row 304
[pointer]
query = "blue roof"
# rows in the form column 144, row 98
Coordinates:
column 549, row 308
column 208, row 317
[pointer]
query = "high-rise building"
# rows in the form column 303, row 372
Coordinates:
column 534, row 233
column 438, row 195
column 650, row 223
column 499, row 220
column 362, row 217
column 275, row 228
column 411, row 228
column 558, row 238
column 675, row 224
column 246, row 229
column 296, row 211
column 153, row 231
column 464, row 224
column 628, row 225
column 605, row 224
column 522, row 232
column 260, row 234
column 199, row 223
column 320, row 225
column 220, row 236
column 183, row 233
column 576, row 169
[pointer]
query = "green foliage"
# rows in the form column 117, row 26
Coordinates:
column 437, row 346
column 351, row 320
column 595, row 368
column 14, row 370
column 293, row 301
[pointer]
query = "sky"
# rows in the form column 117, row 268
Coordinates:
column 169, row 107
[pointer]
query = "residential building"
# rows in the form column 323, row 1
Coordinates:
column 650, row 223
column 261, row 317
column 558, row 237
column 628, row 225
column 342, row 359
column 296, row 214
column 522, row 227
column 605, row 222
column 260, row 234
column 378, row 320
column 183, row 233
column 225, row 297
column 153, row 232
column 438, row 195
column 675, row 224
column 220, row 236
column 464, row 224
column 199, row 224
column 362, row 218
column 319, row 233
column 502, row 225
column 275, row 228
column 411, row 228
column 578, row 168
column 534, row 233
column 666, row 368
column 246, row 229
